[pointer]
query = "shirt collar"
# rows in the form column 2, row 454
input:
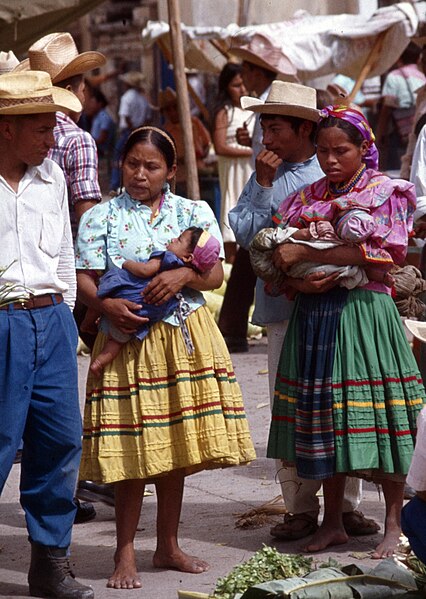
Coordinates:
column 294, row 166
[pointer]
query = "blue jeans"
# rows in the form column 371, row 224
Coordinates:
column 39, row 404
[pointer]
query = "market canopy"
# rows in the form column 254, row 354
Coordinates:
column 316, row 45
column 22, row 22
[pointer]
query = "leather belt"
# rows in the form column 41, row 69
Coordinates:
column 36, row 301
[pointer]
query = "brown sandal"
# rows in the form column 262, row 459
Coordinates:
column 285, row 532
column 356, row 524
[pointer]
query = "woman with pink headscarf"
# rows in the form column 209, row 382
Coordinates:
column 348, row 390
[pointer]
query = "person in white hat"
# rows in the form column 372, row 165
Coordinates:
column 134, row 111
column 288, row 117
column 38, row 339
column 8, row 62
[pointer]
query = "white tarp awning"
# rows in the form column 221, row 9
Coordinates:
column 316, row 45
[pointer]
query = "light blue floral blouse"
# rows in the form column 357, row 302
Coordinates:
column 122, row 229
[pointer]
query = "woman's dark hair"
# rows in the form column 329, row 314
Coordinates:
column 99, row 96
column 159, row 138
column 227, row 74
column 351, row 131
column 196, row 233
column 411, row 54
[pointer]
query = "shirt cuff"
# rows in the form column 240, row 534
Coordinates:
column 262, row 196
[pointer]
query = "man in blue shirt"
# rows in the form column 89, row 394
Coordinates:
column 287, row 164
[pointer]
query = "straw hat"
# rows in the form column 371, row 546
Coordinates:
column 133, row 78
column 8, row 62
column 166, row 97
column 32, row 92
column 286, row 99
column 57, row 54
column 261, row 52
column 417, row 328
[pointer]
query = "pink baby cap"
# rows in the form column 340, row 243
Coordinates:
column 206, row 252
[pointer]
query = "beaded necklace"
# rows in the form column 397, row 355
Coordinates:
column 340, row 189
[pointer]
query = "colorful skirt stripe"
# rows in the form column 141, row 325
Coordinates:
column 348, row 390
column 157, row 408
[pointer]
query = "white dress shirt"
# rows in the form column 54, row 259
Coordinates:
column 134, row 106
column 35, row 233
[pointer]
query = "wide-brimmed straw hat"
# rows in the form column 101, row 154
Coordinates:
column 166, row 97
column 57, row 54
column 261, row 52
column 32, row 92
column 133, row 78
column 286, row 99
column 416, row 328
column 8, row 62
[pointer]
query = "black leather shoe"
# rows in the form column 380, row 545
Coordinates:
column 90, row 491
column 50, row 575
column 85, row 512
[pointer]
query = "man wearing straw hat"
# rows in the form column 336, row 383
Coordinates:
column 262, row 62
column 76, row 153
column 288, row 117
column 38, row 337
column 8, row 62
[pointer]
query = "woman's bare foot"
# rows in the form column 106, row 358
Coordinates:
column 387, row 547
column 180, row 561
column 125, row 575
column 326, row 536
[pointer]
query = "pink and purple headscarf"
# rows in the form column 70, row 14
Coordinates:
column 358, row 120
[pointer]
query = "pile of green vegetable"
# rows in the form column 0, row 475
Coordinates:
column 266, row 564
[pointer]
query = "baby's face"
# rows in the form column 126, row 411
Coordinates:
column 181, row 246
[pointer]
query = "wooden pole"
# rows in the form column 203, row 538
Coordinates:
column 369, row 63
column 167, row 55
column 183, row 99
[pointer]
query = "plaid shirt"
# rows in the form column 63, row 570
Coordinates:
column 75, row 152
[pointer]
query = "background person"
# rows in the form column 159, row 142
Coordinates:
column 103, row 131
column 149, row 215
column 134, row 111
column 167, row 101
column 398, row 106
column 234, row 160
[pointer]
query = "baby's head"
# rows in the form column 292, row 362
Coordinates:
column 196, row 246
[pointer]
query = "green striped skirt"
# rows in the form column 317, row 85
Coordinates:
column 346, row 401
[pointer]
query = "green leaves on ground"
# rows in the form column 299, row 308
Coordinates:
column 265, row 565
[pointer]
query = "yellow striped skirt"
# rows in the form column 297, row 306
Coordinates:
column 157, row 408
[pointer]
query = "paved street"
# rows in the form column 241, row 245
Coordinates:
column 212, row 502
